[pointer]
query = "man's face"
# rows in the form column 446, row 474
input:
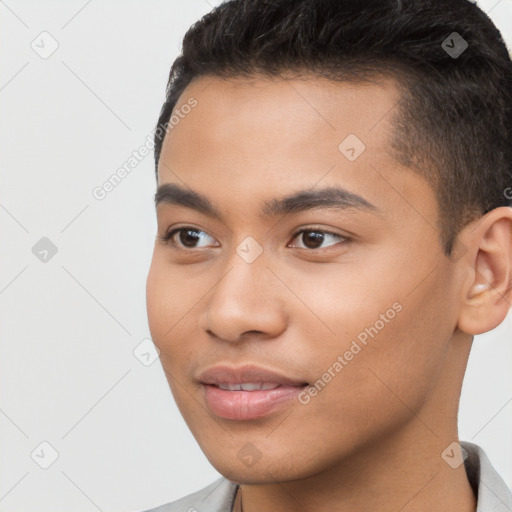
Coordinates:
column 357, row 301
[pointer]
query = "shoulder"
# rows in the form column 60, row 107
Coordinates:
column 216, row 497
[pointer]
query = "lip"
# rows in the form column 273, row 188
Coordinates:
column 247, row 405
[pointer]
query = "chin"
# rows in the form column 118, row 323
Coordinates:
column 267, row 470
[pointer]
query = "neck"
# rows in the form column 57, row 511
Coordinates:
column 402, row 470
column 392, row 477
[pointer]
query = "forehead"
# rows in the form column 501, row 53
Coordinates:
column 247, row 140
column 307, row 109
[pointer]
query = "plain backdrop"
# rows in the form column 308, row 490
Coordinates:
column 77, row 393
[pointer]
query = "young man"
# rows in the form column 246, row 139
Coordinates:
column 334, row 227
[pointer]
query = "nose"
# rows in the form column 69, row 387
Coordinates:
column 247, row 299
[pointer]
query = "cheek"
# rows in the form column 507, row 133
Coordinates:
column 166, row 310
column 399, row 369
column 386, row 346
column 172, row 317
column 157, row 304
column 168, row 300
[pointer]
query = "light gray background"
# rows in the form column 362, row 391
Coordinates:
column 68, row 374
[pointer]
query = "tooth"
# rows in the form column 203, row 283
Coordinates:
column 223, row 386
column 248, row 386
column 269, row 386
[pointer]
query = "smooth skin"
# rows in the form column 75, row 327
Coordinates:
column 372, row 439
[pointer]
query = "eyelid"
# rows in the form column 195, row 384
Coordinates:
column 167, row 237
column 320, row 229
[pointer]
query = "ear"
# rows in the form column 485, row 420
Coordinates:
column 487, row 292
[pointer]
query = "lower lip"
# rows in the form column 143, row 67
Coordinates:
column 247, row 405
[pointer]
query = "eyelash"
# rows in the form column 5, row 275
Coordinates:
column 167, row 238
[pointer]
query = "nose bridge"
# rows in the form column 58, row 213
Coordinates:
column 244, row 297
column 246, row 266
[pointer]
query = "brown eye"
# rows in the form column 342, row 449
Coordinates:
column 314, row 238
column 187, row 238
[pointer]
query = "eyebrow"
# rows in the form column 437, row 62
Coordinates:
column 333, row 197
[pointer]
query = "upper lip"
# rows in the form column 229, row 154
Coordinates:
column 224, row 374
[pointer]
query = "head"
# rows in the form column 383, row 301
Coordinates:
column 370, row 126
